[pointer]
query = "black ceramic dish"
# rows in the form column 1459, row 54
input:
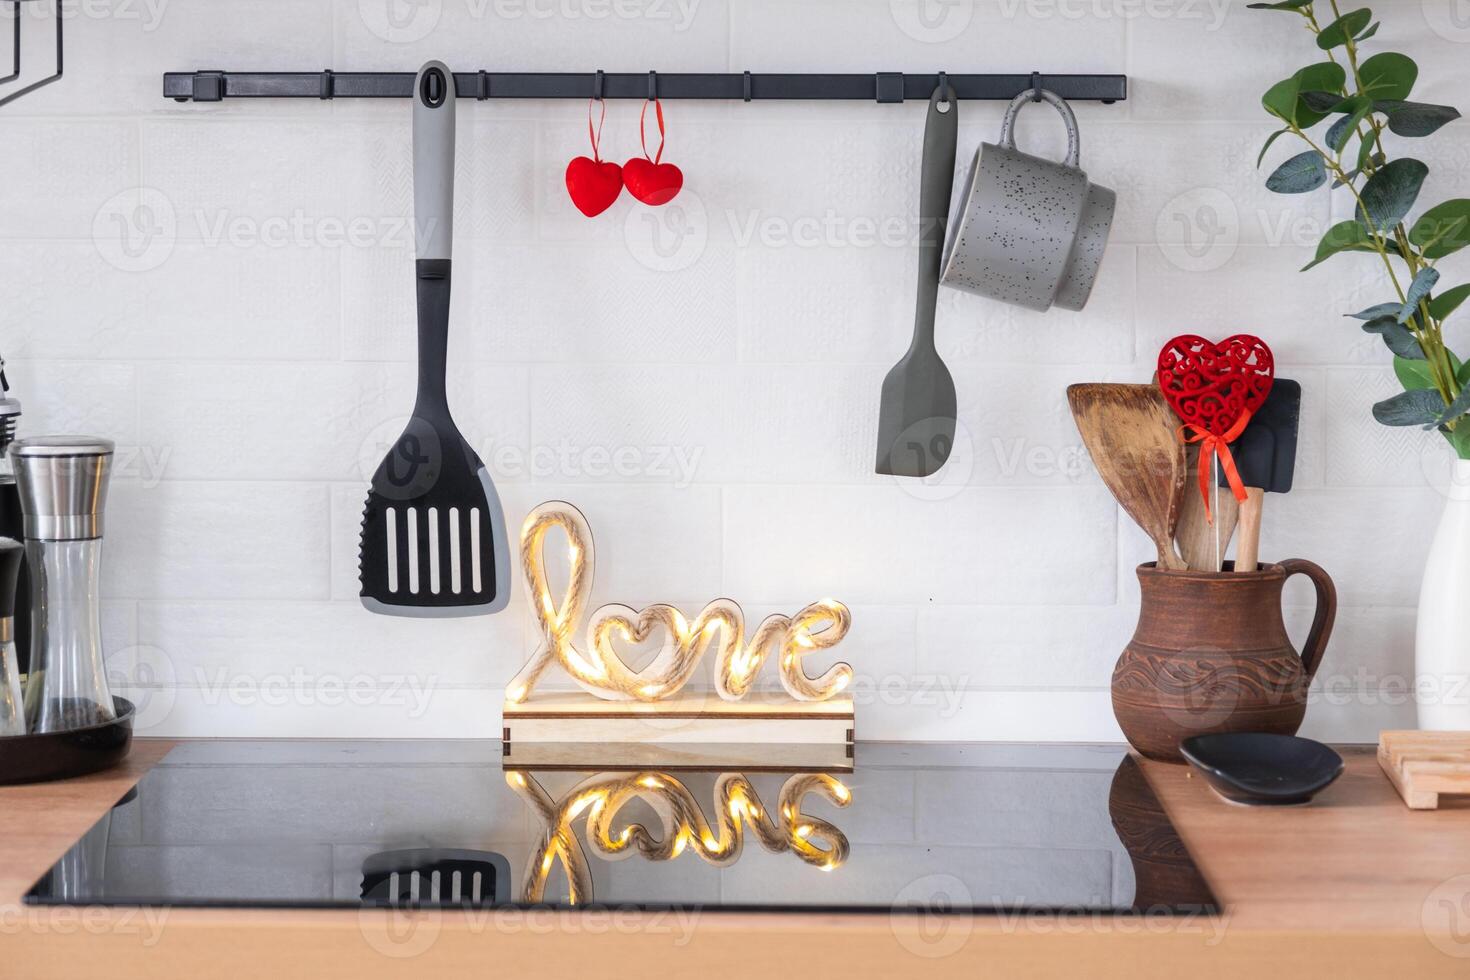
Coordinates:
column 62, row 755
column 1258, row 769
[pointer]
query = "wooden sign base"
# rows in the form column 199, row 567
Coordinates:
column 692, row 729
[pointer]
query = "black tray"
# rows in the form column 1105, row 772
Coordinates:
column 62, row 755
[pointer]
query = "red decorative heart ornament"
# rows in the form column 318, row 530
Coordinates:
column 1211, row 385
column 652, row 183
column 593, row 186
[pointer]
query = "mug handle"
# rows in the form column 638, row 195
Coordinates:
column 1008, row 126
column 1321, row 631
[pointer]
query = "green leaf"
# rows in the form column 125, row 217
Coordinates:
column 1412, row 374
column 1281, row 5
column 1376, row 312
column 1322, row 101
column 1347, row 26
column 1415, row 118
column 1459, row 439
column 1345, row 236
column 1389, row 75
column 1269, row 140
column 1356, row 109
column 1397, row 336
column 1456, row 408
column 1280, row 99
column 1325, row 77
column 1418, row 406
column 1303, row 172
column 1443, row 230
column 1448, row 301
column 1390, row 193
column 1372, row 29
column 1418, row 289
column 1462, row 373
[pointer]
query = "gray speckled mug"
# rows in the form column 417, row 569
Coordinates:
column 1031, row 230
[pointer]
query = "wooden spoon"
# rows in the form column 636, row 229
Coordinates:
column 1129, row 432
column 1194, row 535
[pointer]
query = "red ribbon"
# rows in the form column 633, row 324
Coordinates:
column 595, row 135
column 1213, row 445
column 658, row 111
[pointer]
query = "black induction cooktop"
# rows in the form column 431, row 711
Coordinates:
column 944, row 827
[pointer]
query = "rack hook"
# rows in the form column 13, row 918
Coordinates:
column 598, row 81
column 653, row 86
column 944, row 86
column 328, row 85
column 747, row 86
column 1036, row 86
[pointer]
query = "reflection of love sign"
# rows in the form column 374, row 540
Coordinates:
column 737, row 808
column 601, row 671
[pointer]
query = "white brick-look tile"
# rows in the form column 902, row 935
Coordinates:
column 227, row 291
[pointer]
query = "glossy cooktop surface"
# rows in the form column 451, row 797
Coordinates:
column 943, row 827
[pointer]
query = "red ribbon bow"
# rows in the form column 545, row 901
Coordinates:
column 1213, row 445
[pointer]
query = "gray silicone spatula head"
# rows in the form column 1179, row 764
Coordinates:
column 433, row 532
column 916, row 418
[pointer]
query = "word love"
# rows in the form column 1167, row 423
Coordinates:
column 601, row 670
column 682, row 824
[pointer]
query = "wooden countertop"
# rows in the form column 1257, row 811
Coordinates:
column 1341, row 887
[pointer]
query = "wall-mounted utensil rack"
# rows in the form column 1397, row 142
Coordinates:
column 216, row 86
column 15, row 54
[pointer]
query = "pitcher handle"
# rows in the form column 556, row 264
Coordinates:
column 1321, row 631
column 1008, row 124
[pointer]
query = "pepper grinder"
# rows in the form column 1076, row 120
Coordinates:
column 12, row 710
column 63, row 492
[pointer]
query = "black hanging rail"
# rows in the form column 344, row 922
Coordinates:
column 9, row 97
column 216, row 86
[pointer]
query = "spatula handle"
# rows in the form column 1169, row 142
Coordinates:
column 433, row 161
column 936, row 184
column 1247, row 552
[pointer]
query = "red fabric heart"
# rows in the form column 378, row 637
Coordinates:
column 652, row 183
column 593, row 186
column 1211, row 386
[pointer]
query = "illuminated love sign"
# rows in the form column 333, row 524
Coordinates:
column 601, row 670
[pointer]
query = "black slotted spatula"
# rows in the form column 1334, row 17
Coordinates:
column 433, row 533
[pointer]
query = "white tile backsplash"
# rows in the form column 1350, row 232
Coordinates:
column 226, row 290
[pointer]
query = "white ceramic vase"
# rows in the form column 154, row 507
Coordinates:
column 1442, row 643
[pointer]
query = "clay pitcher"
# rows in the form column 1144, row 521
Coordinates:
column 1211, row 654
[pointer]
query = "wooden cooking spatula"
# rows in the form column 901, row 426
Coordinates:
column 1203, row 551
column 1129, row 432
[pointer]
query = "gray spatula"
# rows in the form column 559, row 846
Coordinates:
column 916, row 421
column 433, row 533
